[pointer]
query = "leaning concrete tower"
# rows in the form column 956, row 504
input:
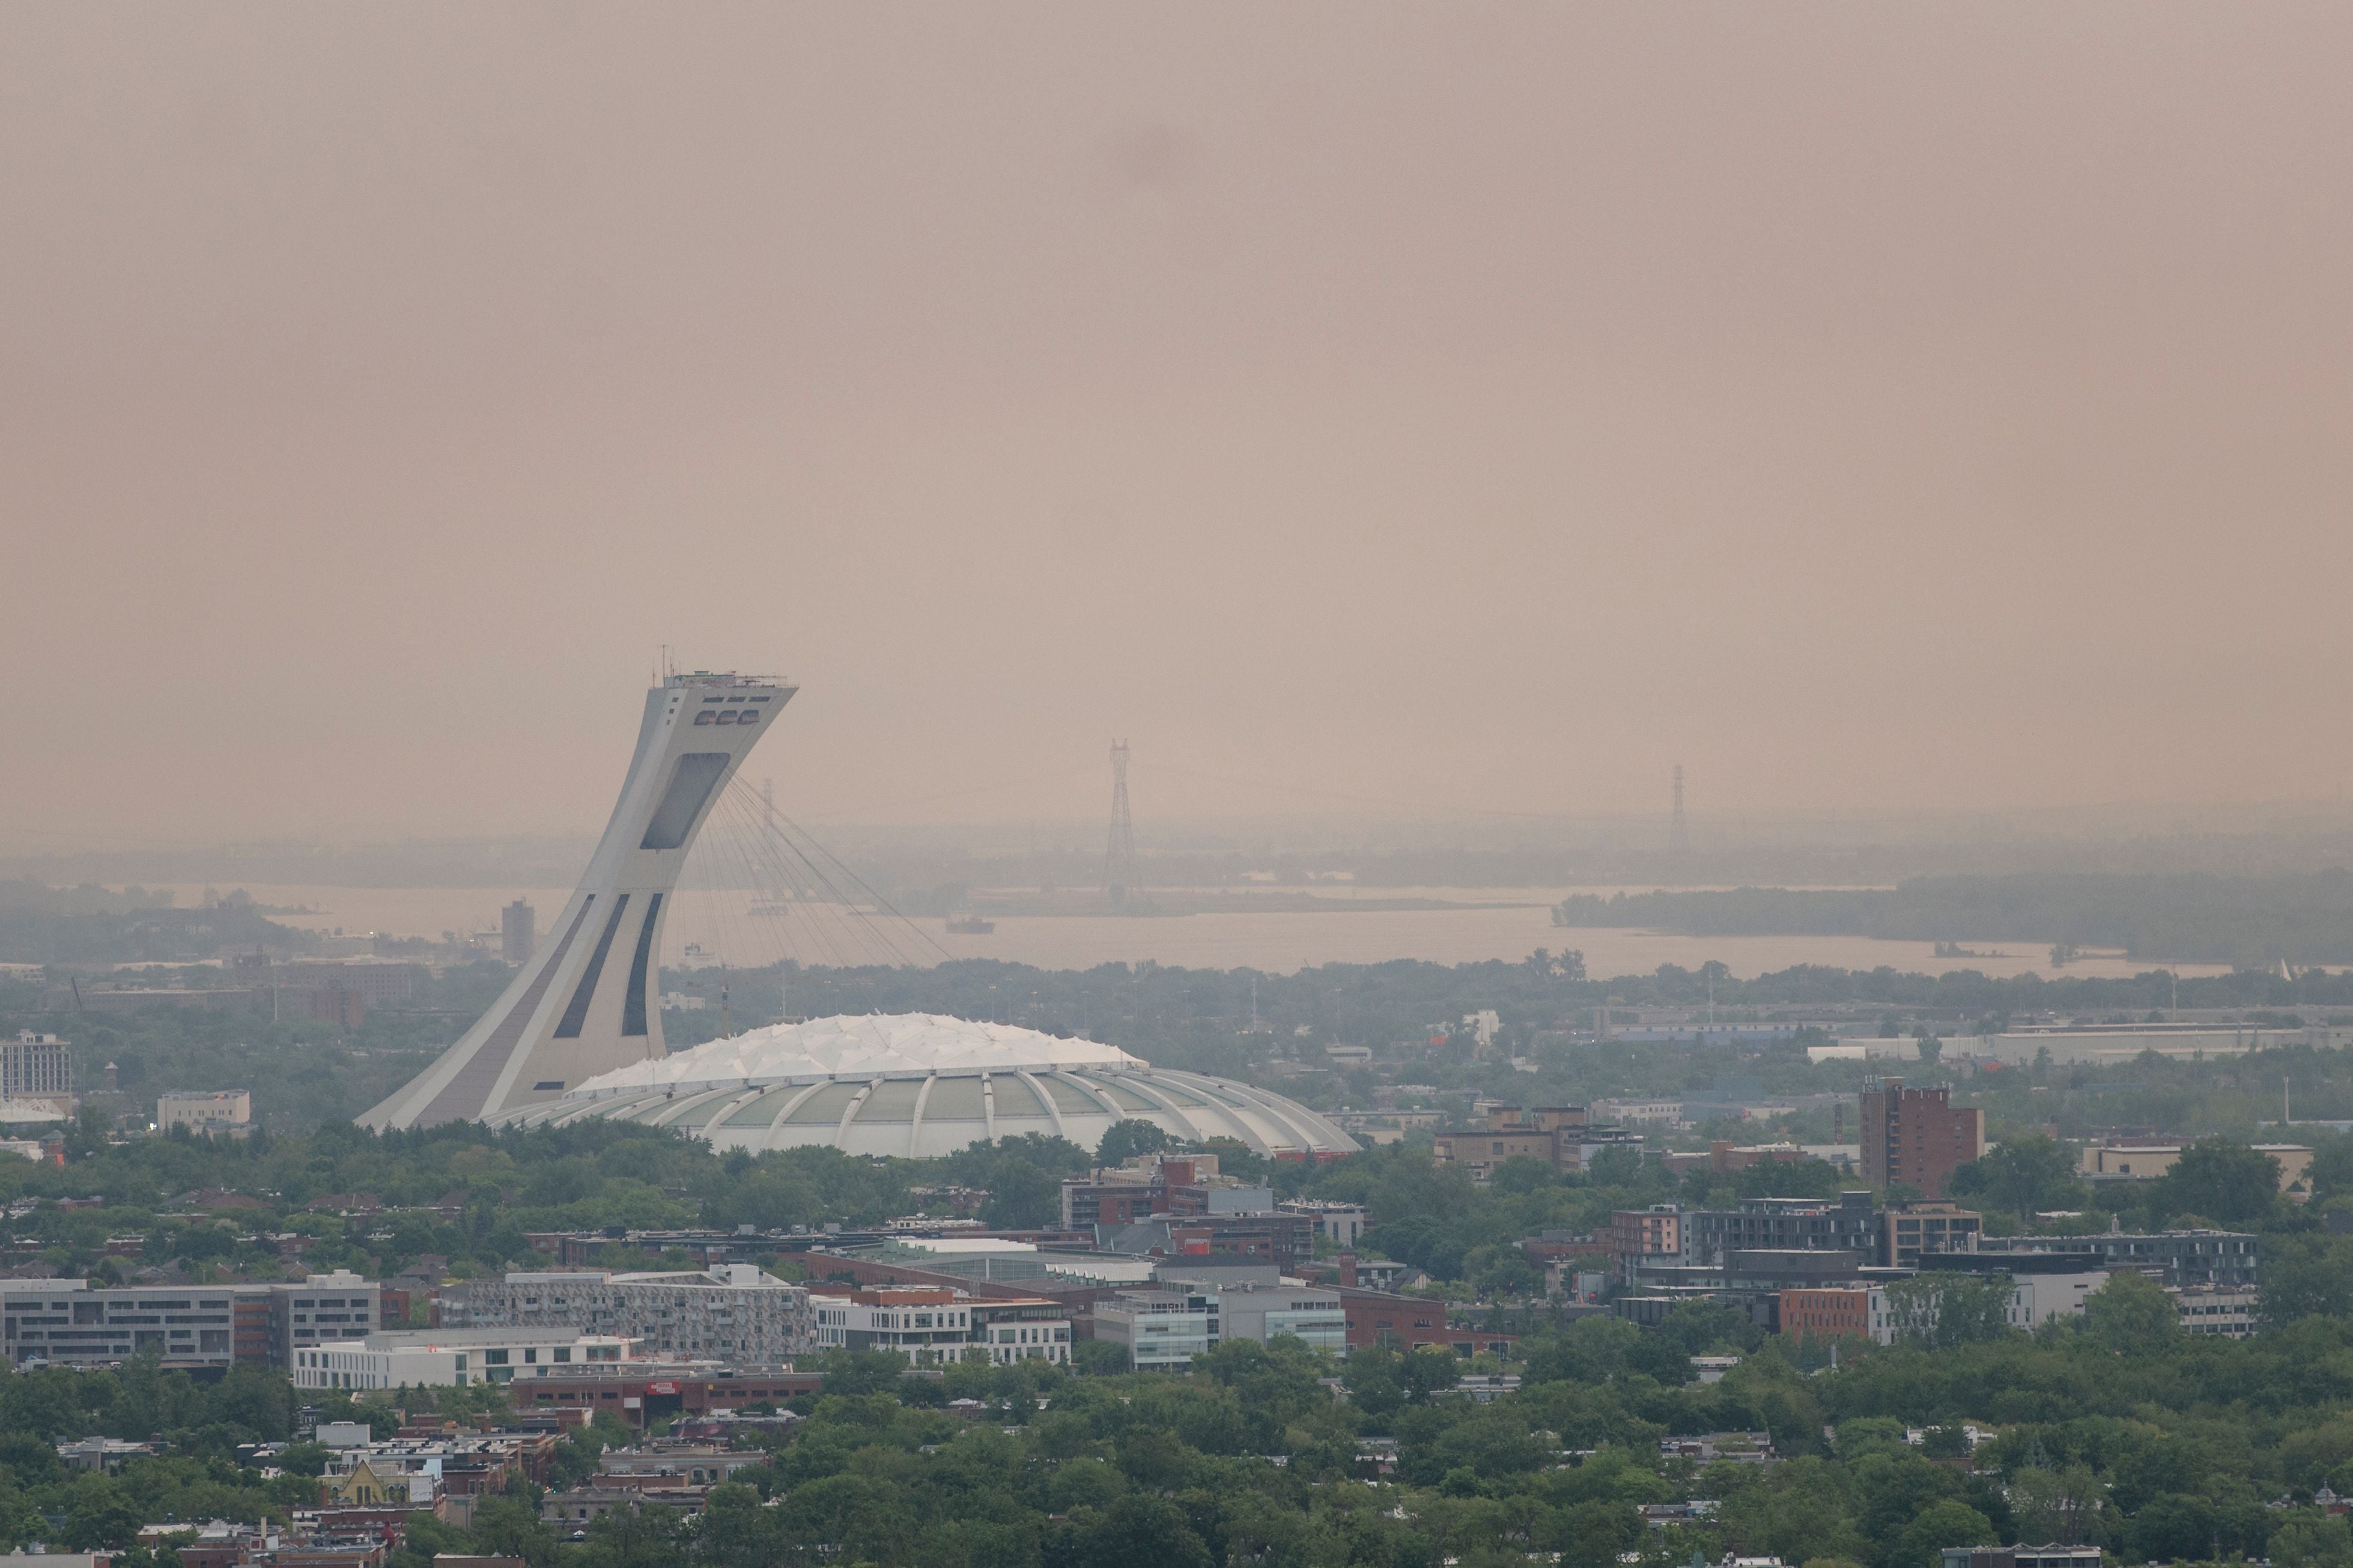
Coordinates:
column 586, row 1001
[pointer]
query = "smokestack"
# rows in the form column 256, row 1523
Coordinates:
column 1348, row 1261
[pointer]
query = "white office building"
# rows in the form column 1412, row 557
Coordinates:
column 933, row 1326
column 1161, row 1331
column 452, row 1358
column 1261, row 1312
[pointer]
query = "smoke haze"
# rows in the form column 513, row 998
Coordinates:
column 1463, row 407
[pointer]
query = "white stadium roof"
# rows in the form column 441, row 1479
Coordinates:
column 922, row 1085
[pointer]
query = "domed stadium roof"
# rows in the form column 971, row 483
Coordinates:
column 920, row 1085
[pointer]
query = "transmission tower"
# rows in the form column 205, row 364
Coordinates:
column 1678, row 831
column 1119, row 859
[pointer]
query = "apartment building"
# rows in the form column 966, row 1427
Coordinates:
column 34, row 1065
column 1653, row 1235
column 733, row 1313
column 1849, row 1224
column 1908, row 1229
column 1916, row 1136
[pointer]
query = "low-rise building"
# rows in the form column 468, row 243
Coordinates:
column 224, row 1113
column 575, row 1509
column 2146, row 1161
column 2230, row 1311
column 1551, row 1134
column 2042, row 1287
column 1161, row 1331
column 932, row 1326
column 1665, row 1114
column 1828, row 1314
column 2170, row 1257
column 1284, row 1240
column 1342, row 1225
column 640, row 1392
column 1261, row 1312
column 452, row 1358
column 102, row 1453
column 2052, row 1556
column 667, row 1465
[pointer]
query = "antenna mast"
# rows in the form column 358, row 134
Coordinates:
column 1119, row 857
column 1678, row 831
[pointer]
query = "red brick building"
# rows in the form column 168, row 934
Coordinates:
column 1916, row 1136
column 1826, row 1314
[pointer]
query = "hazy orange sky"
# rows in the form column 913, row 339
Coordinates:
column 1474, row 407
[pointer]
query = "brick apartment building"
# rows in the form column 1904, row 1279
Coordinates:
column 1826, row 1314
column 1916, row 1136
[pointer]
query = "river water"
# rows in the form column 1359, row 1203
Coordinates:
column 1492, row 923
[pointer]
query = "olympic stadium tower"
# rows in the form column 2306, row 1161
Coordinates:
column 586, row 1004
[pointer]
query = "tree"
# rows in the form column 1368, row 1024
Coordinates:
column 849, row 1372
column 2226, row 1181
column 1140, row 1533
column 2056, row 1506
column 2132, row 1313
column 1942, row 1312
column 2174, row 1528
column 1021, row 1197
column 2307, row 1277
column 2023, row 1175
column 1501, row 1270
column 1124, row 1141
column 1939, row 1525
